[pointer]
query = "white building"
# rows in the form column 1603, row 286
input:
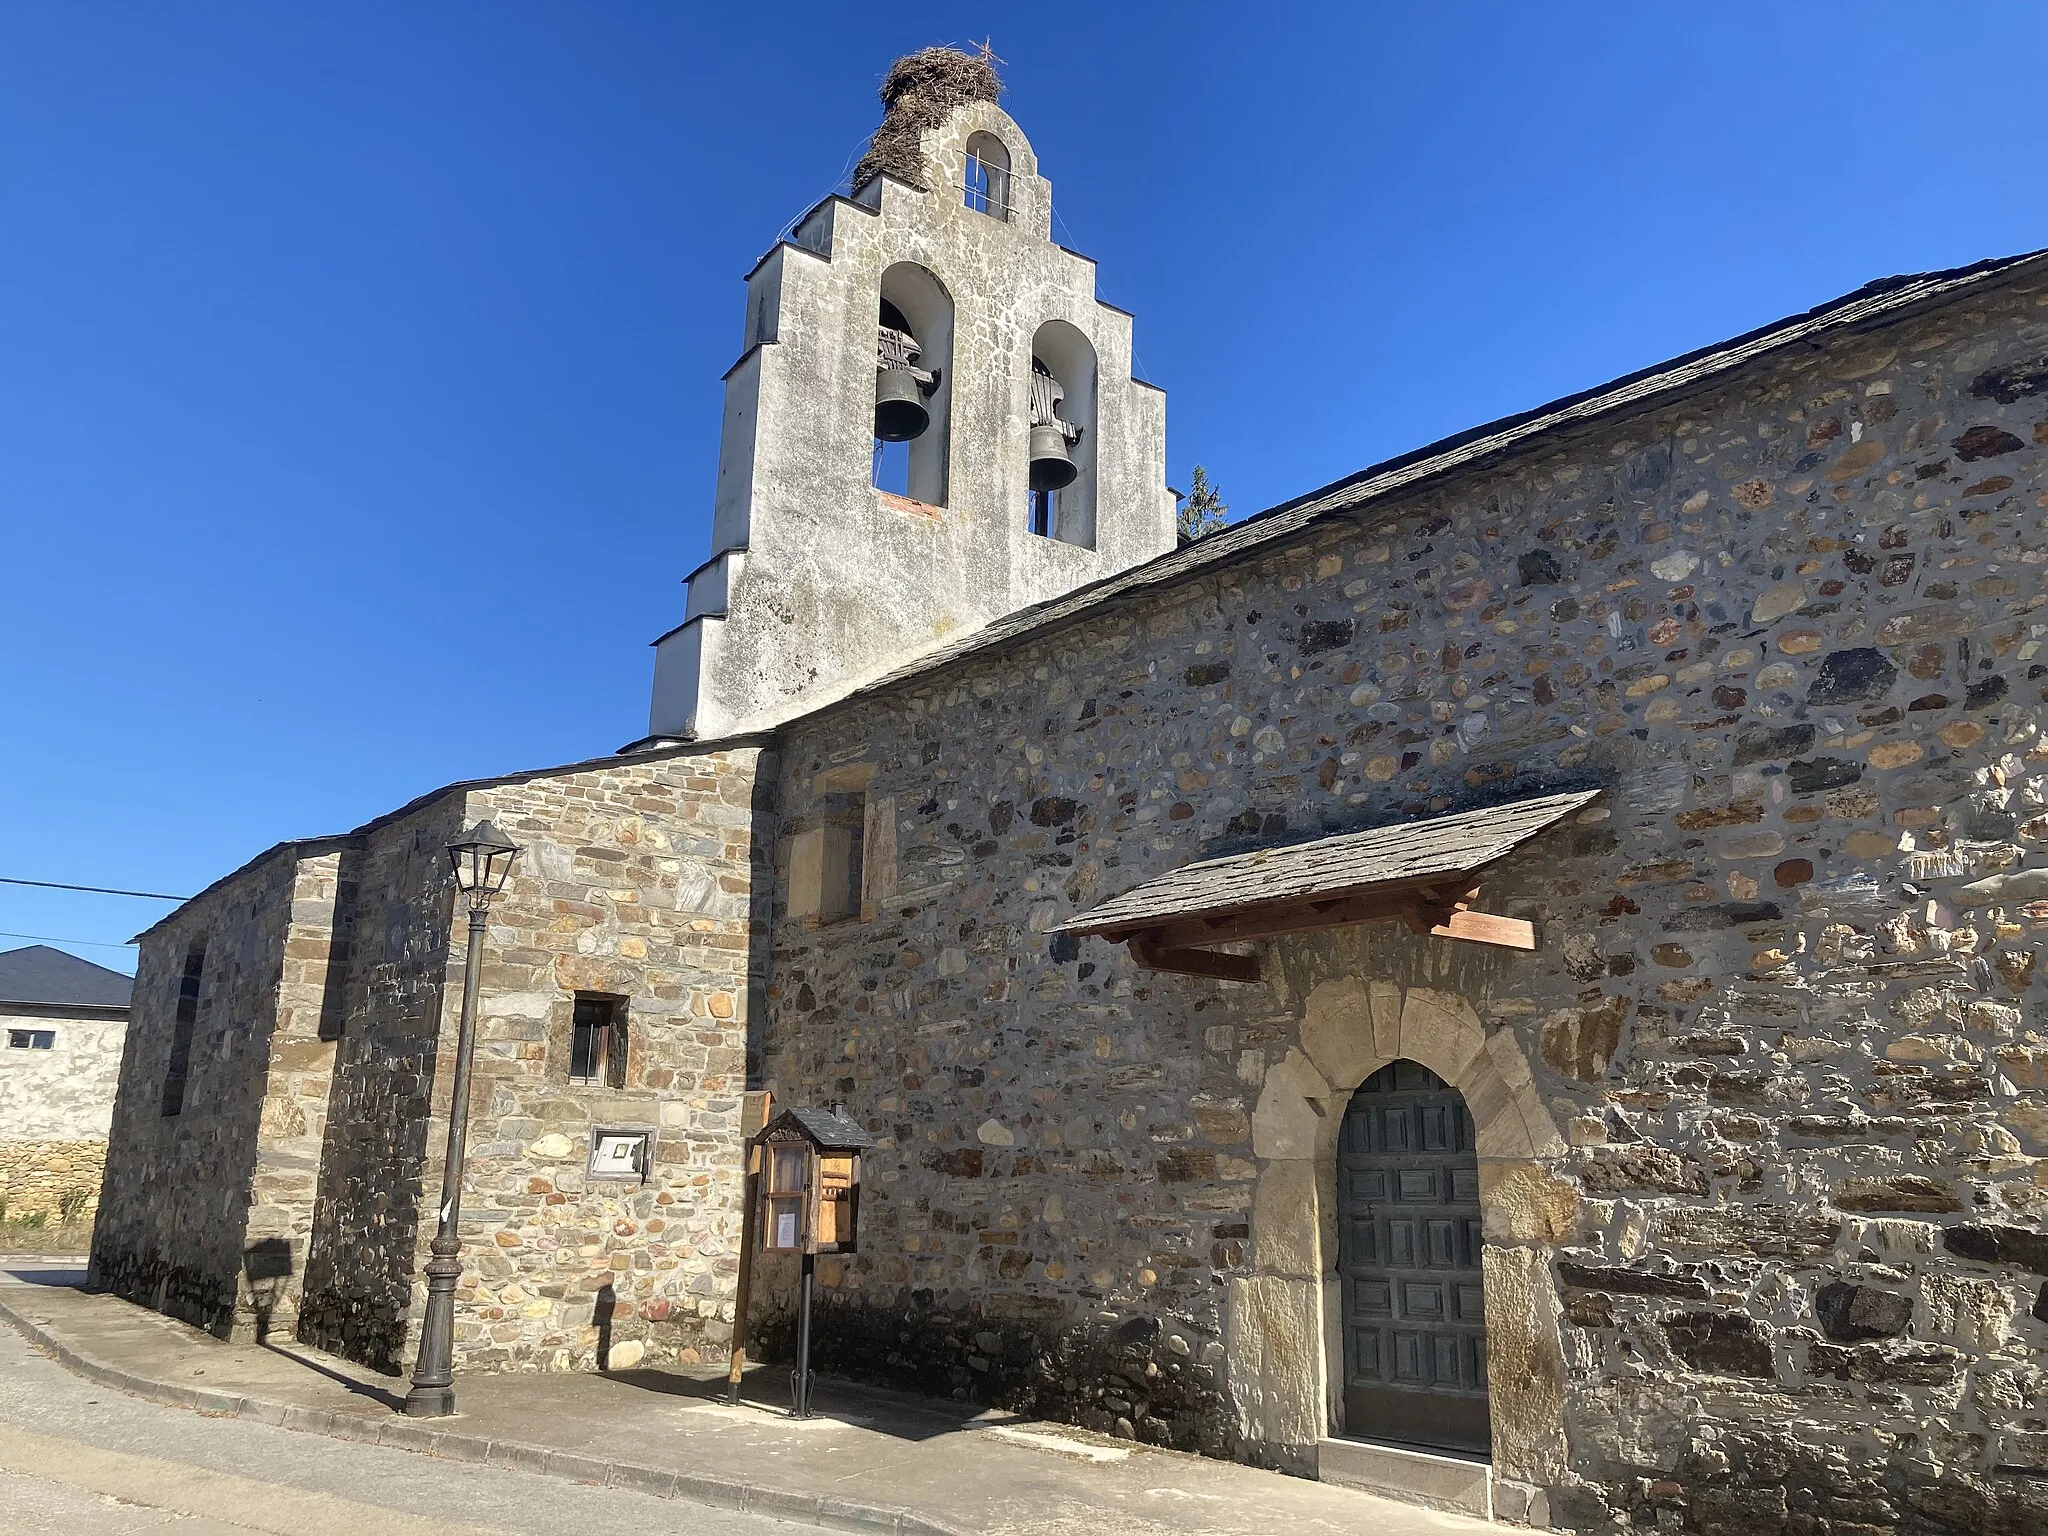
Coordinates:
column 63, row 1022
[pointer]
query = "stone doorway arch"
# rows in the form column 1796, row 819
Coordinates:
column 1285, row 1316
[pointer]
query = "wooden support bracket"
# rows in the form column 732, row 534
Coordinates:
column 1193, row 962
column 1485, row 928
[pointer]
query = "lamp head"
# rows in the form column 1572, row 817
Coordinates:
column 482, row 857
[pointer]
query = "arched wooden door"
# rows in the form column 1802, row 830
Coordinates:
column 1408, row 1258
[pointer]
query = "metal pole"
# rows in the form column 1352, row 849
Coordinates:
column 800, row 1378
column 433, row 1375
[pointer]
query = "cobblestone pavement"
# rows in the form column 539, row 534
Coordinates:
column 82, row 1460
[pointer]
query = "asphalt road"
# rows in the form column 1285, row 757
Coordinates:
column 78, row 1459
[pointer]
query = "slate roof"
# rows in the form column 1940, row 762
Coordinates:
column 825, row 1128
column 1331, row 866
column 40, row 974
column 307, row 847
column 1873, row 305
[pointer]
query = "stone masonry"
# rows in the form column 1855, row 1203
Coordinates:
column 636, row 882
column 50, row 1178
column 644, row 889
column 332, row 973
column 197, row 1203
column 1761, row 1122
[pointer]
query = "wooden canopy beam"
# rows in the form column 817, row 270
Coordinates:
column 1193, row 962
column 1428, row 908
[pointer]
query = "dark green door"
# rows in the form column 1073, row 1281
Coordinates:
column 1408, row 1258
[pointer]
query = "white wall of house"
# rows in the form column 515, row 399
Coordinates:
column 64, row 1092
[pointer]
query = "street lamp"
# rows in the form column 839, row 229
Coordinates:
column 482, row 857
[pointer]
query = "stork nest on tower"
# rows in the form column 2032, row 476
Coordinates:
column 920, row 92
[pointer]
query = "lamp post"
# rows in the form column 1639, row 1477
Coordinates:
column 482, row 857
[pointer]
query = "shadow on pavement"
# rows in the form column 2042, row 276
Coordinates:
column 33, row 1273
column 900, row 1416
column 395, row 1401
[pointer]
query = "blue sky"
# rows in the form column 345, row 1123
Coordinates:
column 359, row 363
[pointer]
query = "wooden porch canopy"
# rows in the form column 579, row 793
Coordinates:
column 1422, row 872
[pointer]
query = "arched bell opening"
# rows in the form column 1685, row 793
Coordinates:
column 1062, row 437
column 913, row 384
column 1410, row 1265
column 985, row 180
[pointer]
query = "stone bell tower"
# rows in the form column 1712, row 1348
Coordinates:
column 932, row 423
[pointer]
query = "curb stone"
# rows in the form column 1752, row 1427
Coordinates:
column 825, row 1510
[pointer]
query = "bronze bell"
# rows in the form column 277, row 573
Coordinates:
column 1051, row 466
column 900, row 412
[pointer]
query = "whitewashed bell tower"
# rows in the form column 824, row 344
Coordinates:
column 932, row 424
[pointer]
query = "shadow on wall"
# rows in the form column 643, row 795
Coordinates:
column 341, row 947
column 268, row 1264
column 762, row 810
column 601, row 1319
column 363, row 1250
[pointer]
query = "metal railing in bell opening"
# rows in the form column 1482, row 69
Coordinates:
column 988, row 188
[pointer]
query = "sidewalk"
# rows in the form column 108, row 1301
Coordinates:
column 872, row 1460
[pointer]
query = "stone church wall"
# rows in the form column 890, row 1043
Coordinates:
column 1761, row 1122
column 636, row 882
column 195, row 1204
column 333, row 973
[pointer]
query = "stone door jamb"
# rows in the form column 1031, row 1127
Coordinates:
column 1287, row 1317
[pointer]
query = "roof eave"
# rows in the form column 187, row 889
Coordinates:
column 1875, row 305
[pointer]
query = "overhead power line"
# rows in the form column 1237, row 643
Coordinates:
column 51, row 938
column 98, row 890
